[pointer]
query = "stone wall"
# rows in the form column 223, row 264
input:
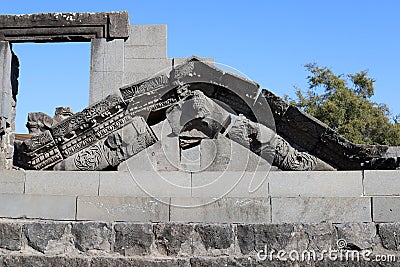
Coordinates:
column 66, row 243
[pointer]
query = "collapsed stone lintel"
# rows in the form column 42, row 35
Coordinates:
column 64, row 27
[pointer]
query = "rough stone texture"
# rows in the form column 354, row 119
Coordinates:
column 315, row 184
column 133, row 239
column 316, row 236
column 215, row 236
column 390, row 235
column 12, row 182
column 92, row 236
column 63, row 27
column 381, row 183
column 44, row 261
column 246, row 238
column 171, row 237
column 314, row 210
column 227, row 210
column 40, row 234
column 274, row 236
column 357, row 236
column 386, row 209
column 139, row 209
column 10, row 236
column 62, row 183
column 37, row 206
column 148, row 262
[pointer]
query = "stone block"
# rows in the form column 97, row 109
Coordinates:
column 103, row 84
column 230, row 184
column 107, row 55
column 133, row 77
column 12, row 182
column 10, row 236
column 147, row 65
column 133, row 239
column 38, row 206
column 145, row 51
column 386, row 209
column 316, row 184
column 145, row 183
column 41, row 261
column 224, row 210
column 173, row 239
column 71, row 183
column 5, row 80
column 388, row 233
column 358, row 236
column 275, row 236
column 148, row 35
column 41, row 234
column 136, row 209
column 215, row 236
column 92, row 236
column 382, row 183
column 139, row 261
column 181, row 60
column 316, row 210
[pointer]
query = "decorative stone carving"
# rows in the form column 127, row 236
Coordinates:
column 39, row 122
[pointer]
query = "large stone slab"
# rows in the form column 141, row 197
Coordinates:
column 316, row 184
column 223, row 210
column 316, row 210
column 37, row 206
column 12, row 182
column 136, row 209
column 72, row 183
column 145, row 183
column 382, row 183
column 386, row 209
column 63, row 27
column 144, row 35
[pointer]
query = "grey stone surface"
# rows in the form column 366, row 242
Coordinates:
column 12, row 182
column 315, row 236
column 39, row 234
column 10, row 236
column 44, row 261
column 316, row 184
column 145, row 51
column 133, row 239
column 63, row 27
column 145, row 183
column 147, row 35
column 386, row 209
column 171, row 238
column 181, row 60
column 245, row 238
column 133, row 262
column 147, row 65
column 92, row 236
column 382, row 183
column 72, row 183
column 358, row 236
column 5, row 81
column 37, row 206
column 389, row 234
column 224, row 210
column 137, row 209
column 132, row 76
column 215, row 236
column 103, row 84
column 230, row 184
column 275, row 236
column 316, row 210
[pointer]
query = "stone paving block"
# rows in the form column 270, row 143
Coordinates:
column 12, row 182
column 386, row 209
column 382, row 183
column 68, row 183
column 155, row 34
column 316, row 210
column 145, row 51
column 224, row 210
column 229, row 183
column 145, row 183
column 135, row 209
column 147, row 65
column 37, row 206
column 316, row 184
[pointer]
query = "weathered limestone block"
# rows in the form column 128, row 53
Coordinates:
column 92, row 236
column 10, row 236
column 133, row 239
column 64, row 27
column 110, row 152
column 40, row 234
column 38, row 152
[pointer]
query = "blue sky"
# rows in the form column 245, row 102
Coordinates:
column 269, row 41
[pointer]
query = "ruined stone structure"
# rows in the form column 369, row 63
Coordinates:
column 176, row 162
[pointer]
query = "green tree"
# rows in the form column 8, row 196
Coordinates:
column 344, row 104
